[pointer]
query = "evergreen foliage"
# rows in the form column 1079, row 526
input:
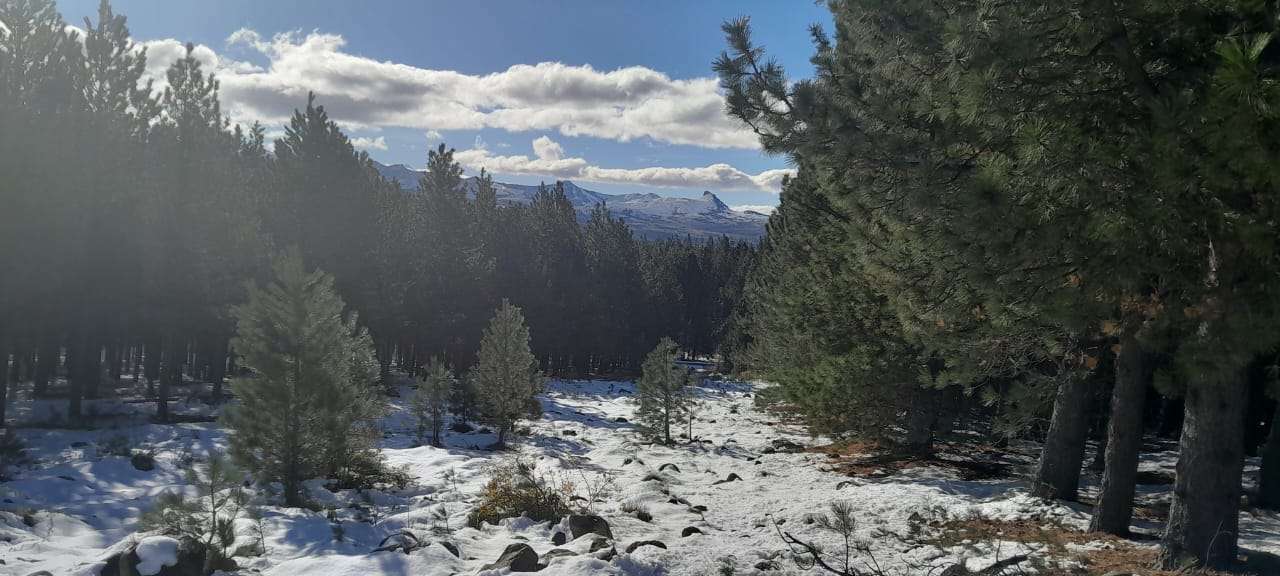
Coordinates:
column 506, row 373
column 307, row 410
column 662, row 392
column 431, row 401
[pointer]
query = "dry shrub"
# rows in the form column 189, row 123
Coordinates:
column 515, row 489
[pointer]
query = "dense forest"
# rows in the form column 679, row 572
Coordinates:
column 1046, row 227
column 136, row 218
column 1066, row 212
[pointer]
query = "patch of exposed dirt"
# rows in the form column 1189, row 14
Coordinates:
column 874, row 459
column 1106, row 553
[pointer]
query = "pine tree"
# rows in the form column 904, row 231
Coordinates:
column 506, row 375
column 431, row 401
column 307, row 410
column 662, row 391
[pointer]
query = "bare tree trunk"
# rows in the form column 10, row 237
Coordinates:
column 1058, row 474
column 218, row 366
column 46, row 366
column 169, row 368
column 1205, row 514
column 1124, row 440
column 1269, row 473
column 4, row 380
column 922, row 413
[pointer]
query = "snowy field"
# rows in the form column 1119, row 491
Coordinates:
column 744, row 479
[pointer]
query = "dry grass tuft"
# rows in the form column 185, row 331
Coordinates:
column 1107, row 553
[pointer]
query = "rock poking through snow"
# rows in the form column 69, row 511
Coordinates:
column 581, row 524
column 516, row 557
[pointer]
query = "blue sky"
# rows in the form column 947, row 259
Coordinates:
column 617, row 96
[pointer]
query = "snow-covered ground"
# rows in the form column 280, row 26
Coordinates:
column 75, row 504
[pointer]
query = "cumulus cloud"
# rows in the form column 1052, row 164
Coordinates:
column 623, row 104
column 379, row 143
column 548, row 160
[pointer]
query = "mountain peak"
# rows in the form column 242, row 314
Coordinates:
column 716, row 204
column 649, row 215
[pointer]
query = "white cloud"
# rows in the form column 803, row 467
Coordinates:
column 379, row 143
column 548, row 160
column 434, row 136
column 623, row 104
column 760, row 208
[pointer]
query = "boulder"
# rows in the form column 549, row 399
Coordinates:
column 517, row 558
column 668, row 465
column 689, row 531
column 554, row 553
column 580, row 524
column 598, row 544
column 637, row 544
column 402, row 541
column 451, row 547
column 620, row 420
column 558, row 539
column 462, row 427
column 143, row 461
column 569, row 432
column 157, row 556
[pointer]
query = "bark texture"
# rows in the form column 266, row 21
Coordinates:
column 923, row 412
column 1204, row 518
column 1124, row 440
column 1058, row 474
column 1269, row 474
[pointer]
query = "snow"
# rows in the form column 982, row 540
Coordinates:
column 154, row 553
column 77, row 506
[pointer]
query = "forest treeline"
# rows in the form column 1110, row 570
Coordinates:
column 1065, row 210
column 135, row 219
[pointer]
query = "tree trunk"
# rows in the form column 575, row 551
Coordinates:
column 151, row 363
column 1099, row 463
column 1269, row 473
column 385, row 351
column 1204, row 517
column 922, row 412
column 46, row 367
column 4, row 381
column 76, row 376
column 218, row 366
column 1058, row 474
column 166, row 381
column 1124, row 440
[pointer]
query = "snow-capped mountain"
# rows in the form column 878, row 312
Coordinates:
column 649, row 215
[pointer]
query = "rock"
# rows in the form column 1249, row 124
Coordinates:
column 554, row 553
column 766, row 565
column 786, row 446
column 732, row 477
column 580, row 524
column 402, row 541
column 451, row 547
column 634, row 545
column 668, row 465
column 516, row 557
column 598, row 544
column 620, row 420
column 558, row 539
column 698, row 509
column 462, row 427
column 570, row 432
column 689, row 531
column 159, row 556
